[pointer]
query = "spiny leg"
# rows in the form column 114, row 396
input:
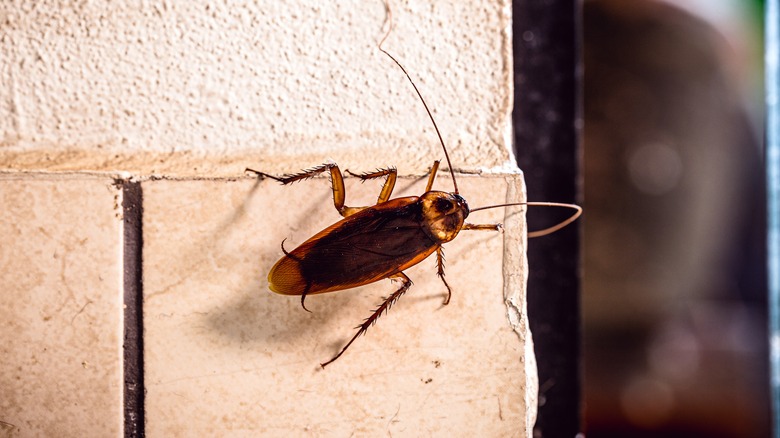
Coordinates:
column 336, row 179
column 384, row 307
column 289, row 178
column 440, row 273
column 387, row 188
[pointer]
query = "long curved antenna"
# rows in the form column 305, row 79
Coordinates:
column 389, row 23
column 546, row 231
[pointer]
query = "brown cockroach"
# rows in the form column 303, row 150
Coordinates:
column 380, row 241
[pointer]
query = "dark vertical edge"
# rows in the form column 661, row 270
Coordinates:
column 547, row 145
column 132, row 198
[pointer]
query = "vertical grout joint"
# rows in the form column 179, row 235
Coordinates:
column 132, row 207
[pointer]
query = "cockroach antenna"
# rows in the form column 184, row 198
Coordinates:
column 578, row 210
column 389, row 24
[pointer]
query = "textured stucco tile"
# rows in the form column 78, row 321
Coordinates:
column 201, row 88
column 223, row 354
column 60, row 307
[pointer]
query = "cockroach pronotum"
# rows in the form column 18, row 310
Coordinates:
column 380, row 241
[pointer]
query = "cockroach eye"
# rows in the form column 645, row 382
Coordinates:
column 463, row 205
column 443, row 205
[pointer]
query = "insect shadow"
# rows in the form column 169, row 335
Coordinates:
column 244, row 318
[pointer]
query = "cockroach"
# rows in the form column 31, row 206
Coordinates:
column 383, row 240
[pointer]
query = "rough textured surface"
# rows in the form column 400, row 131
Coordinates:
column 225, row 355
column 202, row 88
column 60, row 307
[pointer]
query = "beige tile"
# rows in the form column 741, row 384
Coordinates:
column 60, row 307
column 224, row 355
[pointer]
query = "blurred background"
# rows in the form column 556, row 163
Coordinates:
column 674, row 291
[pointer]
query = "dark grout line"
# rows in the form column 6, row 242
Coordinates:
column 132, row 206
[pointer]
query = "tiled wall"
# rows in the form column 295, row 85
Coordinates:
column 167, row 104
column 60, row 306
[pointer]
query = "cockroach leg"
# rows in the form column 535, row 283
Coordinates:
column 336, row 179
column 483, row 227
column 384, row 307
column 432, row 176
column 290, row 178
column 387, row 188
column 262, row 175
column 440, row 273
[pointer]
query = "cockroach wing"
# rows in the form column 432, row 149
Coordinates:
column 368, row 246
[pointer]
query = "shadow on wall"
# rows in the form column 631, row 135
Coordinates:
column 674, row 303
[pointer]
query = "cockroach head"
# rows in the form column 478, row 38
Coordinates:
column 443, row 214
